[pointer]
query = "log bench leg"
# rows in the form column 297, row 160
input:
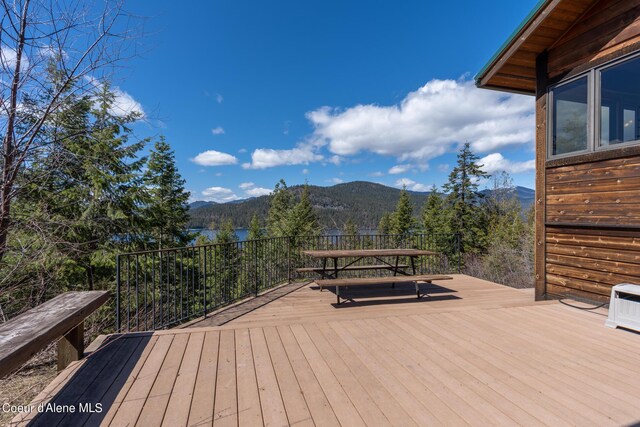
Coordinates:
column 71, row 347
column 417, row 289
column 338, row 293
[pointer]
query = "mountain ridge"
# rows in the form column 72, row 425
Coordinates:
column 363, row 201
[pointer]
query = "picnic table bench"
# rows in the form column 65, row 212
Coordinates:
column 329, row 275
column 63, row 316
column 427, row 278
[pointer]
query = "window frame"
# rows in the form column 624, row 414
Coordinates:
column 594, row 111
column 550, row 112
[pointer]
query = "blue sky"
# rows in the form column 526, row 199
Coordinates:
column 248, row 92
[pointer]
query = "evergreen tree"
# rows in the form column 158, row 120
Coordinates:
column 350, row 228
column 505, row 223
column 434, row 215
column 226, row 233
column 385, row 224
column 255, row 230
column 279, row 210
column 463, row 198
column 403, row 223
column 303, row 220
column 87, row 186
column 167, row 211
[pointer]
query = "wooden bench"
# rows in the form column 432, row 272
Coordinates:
column 63, row 316
column 428, row 278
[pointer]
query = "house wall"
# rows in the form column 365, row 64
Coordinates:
column 588, row 235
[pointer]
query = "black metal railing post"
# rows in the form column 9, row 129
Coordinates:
column 204, row 282
column 458, row 253
column 289, row 259
column 118, row 293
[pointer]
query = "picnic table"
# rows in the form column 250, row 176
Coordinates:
column 329, row 274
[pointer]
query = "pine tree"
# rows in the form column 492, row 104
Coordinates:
column 303, row 220
column 226, row 233
column 403, row 223
column 385, row 224
column 434, row 215
column 463, row 198
column 167, row 212
column 350, row 228
column 255, row 230
column 88, row 187
column 279, row 210
column 505, row 223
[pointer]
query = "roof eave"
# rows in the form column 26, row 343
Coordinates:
column 515, row 36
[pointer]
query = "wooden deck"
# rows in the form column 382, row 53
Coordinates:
column 488, row 357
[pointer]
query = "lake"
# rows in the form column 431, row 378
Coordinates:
column 244, row 232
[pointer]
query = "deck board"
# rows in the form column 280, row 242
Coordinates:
column 489, row 356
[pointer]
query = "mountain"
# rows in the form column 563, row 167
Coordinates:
column 363, row 202
column 200, row 203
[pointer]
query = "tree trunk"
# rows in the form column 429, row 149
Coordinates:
column 9, row 168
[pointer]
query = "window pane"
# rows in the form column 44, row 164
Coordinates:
column 620, row 94
column 570, row 117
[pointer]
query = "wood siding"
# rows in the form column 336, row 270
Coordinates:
column 593, row 227
column 609, row 28
column 591, row 202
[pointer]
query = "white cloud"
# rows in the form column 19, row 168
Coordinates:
column 428, row 122
column 411, row 185
column 251, row 190
column 219, row 98
column 218, row 130
column 214, row 158
column 397, row 169
column 123, row 103
column 219, row 195
column 305, row 171
column 263, row 158
column 258, row 191
column 495, row 162
column 8, row 59
column 336, row 160
column 242, row 150
column 378, row 173
column 336, row 180
column 443, row 167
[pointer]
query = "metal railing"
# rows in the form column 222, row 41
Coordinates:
column 159, row 289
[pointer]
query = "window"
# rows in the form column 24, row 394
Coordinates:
column 598, row 110
column 570, row 117
column 620, row 103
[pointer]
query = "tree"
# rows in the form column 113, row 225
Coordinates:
column 434, row 215
column 385, row 224
column 350, row 228
column 86, row 187
column 166, row 212
column 303, row 220
column 255, row 229
column 463, row 199
column 505, row 223
column 402, row 222
column 279, row 210
column 39, row 36
column 226, row 261
column 226, row 233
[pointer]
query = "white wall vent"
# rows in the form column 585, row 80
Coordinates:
column 624, row 307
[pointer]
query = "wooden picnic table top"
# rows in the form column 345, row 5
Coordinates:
column 347, row 253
